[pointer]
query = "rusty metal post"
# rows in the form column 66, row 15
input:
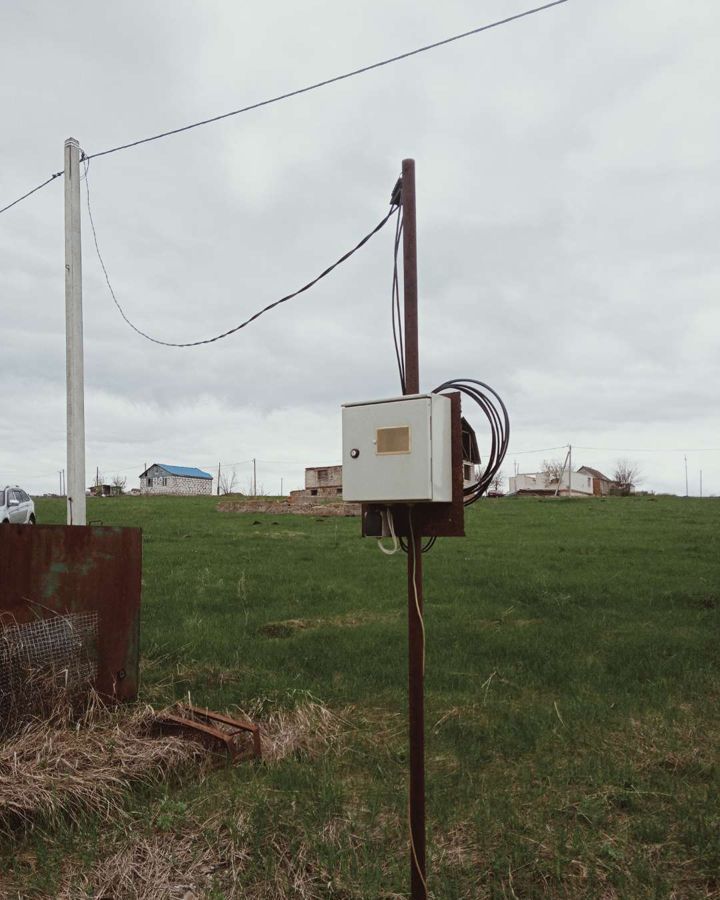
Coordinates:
column 416, row 635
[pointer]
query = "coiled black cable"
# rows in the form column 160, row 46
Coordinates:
column 496, row 413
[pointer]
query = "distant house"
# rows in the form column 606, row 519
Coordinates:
column 602, row 485
column 537, row 484
column 164, row 479
column 105, row 490
column 323, row 482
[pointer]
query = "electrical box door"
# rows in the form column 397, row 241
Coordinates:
column 397, row 450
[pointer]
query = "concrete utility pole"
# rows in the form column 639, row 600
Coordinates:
column 74, row 339
column 416, row 636
column 254, row 478
column 687, row 492
column 701, row 482
column 569, row 470
column 218, row 482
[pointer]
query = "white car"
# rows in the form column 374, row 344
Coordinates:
column 16, row 506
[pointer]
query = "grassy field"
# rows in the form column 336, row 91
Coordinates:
column 573, row 701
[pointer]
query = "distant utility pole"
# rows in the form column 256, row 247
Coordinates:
column 74, row 339
column 569, row 470
column 281, row 483
column 701, row 482
column 254, row 478
column 562, row 472
column 218, row 481
column 687, row 493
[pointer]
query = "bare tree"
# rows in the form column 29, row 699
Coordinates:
column 119, row 482
column 228, row 482
column 497, row 482
column 626, row 476
column 553, row 469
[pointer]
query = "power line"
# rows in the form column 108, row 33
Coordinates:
column 538, row 450
column 652, row 449
column 298, row 91
column 24, row 196
column 252, row 318
column 327, row 81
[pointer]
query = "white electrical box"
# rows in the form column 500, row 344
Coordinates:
column 397, row 450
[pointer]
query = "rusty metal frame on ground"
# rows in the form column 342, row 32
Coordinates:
column 205, row 725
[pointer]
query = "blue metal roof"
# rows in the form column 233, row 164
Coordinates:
column 186, row 471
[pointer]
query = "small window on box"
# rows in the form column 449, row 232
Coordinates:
column 149, row 482
column 313, row 492
column 392, row 440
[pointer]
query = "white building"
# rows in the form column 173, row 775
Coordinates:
column 580, row 485
column 164, row 479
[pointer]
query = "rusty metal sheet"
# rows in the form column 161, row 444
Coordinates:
column 46, row 570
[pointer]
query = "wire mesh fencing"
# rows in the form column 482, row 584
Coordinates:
column 43, row 661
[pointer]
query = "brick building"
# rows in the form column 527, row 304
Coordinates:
column 164, row 479
column 322, row 483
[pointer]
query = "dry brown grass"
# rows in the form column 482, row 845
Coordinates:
column 163, row 867
column 70, row 765
column 305, row 731
column 209, row 856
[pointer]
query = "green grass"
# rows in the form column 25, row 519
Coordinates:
column 572, row 695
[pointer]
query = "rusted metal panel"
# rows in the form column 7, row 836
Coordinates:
column 46, row 570
column 429, row 519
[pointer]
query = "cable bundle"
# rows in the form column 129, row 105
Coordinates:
column 495, row 412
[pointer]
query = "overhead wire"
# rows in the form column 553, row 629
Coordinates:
column 247, row 321
column 651, row 449
column 538, row 450
column 294, row 93
column 328, row 81
column 29, row 193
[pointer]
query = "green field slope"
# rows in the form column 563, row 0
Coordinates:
column 573, row 689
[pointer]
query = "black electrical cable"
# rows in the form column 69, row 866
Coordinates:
column 327, row 81
column 295, row 93
column 397, row 324
column 496, row 413
column 252, row 318
column 428, row 545
column 24, row 196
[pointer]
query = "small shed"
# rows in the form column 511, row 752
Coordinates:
column 161, row 478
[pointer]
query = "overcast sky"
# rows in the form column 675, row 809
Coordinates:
column 568, row 180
